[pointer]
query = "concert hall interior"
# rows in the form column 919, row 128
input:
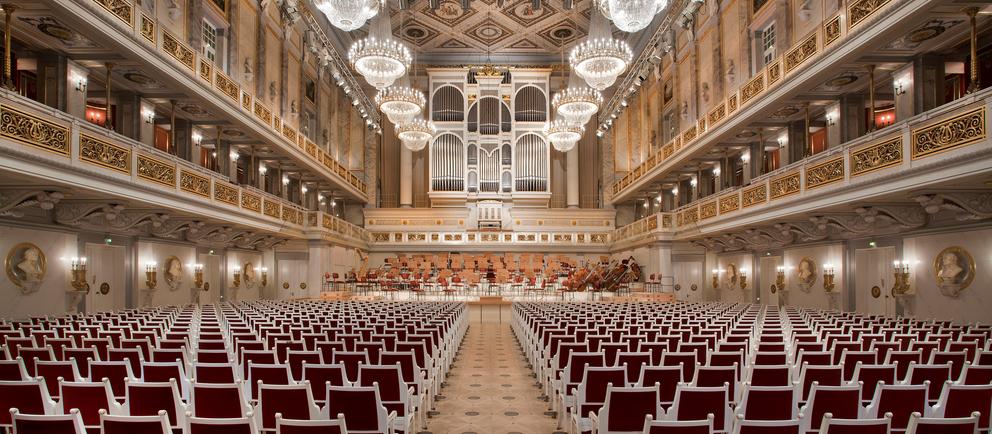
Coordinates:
column 495, row 216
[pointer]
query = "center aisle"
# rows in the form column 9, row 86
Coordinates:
column 490, row 390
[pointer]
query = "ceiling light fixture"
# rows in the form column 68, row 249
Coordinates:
column 577, row 104
column 400, row 103
column 416, row 133
column 380, row 61
column 600, row 61
column 562, row 134
column 631, row 15
column 348, row 15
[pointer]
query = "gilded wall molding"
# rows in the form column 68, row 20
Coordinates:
column 121, row 9
column 754, row 196
column 785, row 185
column 227, row 86
column 730, row 203
column 860, row 10
column 194, row 183
column 148, row 28
column 875, row 157
column 251, row 201
column 825, row 173
column 34, row 131
column 707, row 210
column 753, row 88
column 801, row 53
column 157, row 171
column 948, row 134
column 178, row 50
column 226, row 193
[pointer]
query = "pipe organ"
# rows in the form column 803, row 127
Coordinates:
column 489, row 145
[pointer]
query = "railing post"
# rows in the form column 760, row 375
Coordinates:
column 8, row 12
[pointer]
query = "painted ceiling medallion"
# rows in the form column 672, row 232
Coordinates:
column 524, row 13
column 841, row 81
column 449, row 12
column 489, row 32
column 563, row 32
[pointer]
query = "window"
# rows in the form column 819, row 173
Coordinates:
column 768, row 43
column 209, row 41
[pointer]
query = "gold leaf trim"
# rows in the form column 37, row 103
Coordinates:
column 226, row 193
column 754, row 196
column 262, row 112
column 945, row 135
column 32, row 130
column 860, row 10
column 785, row 185
column 730, row 203
column 801, row 53
column 206, row 71
column 105, row 154
column 157, row 171
column 774, row 72
column 148, row 28
column 271, row 208
column 753, row 88
column 121, row 9
column 251, row 202
column 825, row 173
column 194, row 183
column 875, row 157
column 717, row 114
column 831, row 31
column 707, row 210
column 178, row 50
column 227, row 86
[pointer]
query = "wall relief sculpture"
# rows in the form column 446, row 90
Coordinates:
column 26, row 267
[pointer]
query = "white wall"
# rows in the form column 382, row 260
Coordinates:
column 816, row 297
column 731, row 291
column 974, row 302
column 159, row 252
column 50, row 299
column 235, row 261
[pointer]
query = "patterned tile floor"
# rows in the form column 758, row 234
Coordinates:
column 490, row 390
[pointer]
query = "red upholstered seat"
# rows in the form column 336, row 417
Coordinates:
column 943, row 425
column 767, row 403
column 626, row 408
column 218, row 401
column 332, row 426
column 293, row 401
column 319, row 376
column 959, row 400
column 71, row 423
column 854, row 426
column 843, row 402
column 28, row 397
column 90, row 398
column 153, row 424
column 148, row 399
column 703, row 426
column 899, row 400
column 696, row 403
column 361, row 408
column 203, row 425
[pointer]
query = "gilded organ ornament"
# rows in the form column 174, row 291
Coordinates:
column 954, row 269
column 26, row 267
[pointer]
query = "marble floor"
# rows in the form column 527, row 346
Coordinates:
column 490, row 390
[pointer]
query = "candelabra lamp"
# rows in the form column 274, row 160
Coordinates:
column 151, row 275
column 780, row 278
column 198, row 276
column 828, row 278
column 78, row 268
column 716, row 278
column 265, row 276
column 900, row 275
column 743, row 278
column 237, row 279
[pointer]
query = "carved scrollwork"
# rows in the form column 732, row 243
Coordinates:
column 957, row 131
column 860, row 10
column 801, row 53
column 156, row 171
column 105, row 154
column 32, row 130
column 966, row 205
column 13, row 202
column 785, row 185
column 178, row 50
column 875, row 157
column 825, row 173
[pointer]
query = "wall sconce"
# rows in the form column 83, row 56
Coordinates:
column 716, row 278
column 78, row 268
column 716, row 171
column 745, row 157
column 675, row 191
column 831, row 119
column 782, row 141
column 828, row 278
column 198, row 275
column 262, row 169
column 743, row 278
column 900, row 274
column 265, row 276
column 197, row 138
column 237, row 279
column 780, row 277
column 285, row 180
column 148, row 115
column 692, row 181
column 80, row 82
column 899, row 86
column 151, row 275
column 304, row 189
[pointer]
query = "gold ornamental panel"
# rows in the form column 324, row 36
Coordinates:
column 717, row 114
column 598, row 238
column 730, row 203
column 948, row 134
column 262, row 112
column 206, row 71
column 270, row 208
column 689, row 134
column 667, row 150
column 690, row 215
column 156, row 170
column 732, row 103
column 860, row 10
column 785, row 185
column 121, row 9
column 194, row 183
column 707, row 210
column 666, row 221
column 800, row 54
column 32, row 130
column 277, row 123
column 877, row 156
column 754, row 196
column 831, row 30
column 251, row 202
column 226, row 193
column 105, row 154
column 652, row 223
column 753, row 88
column 563, row 238
column 289, row 133
column 227, row 86
column 246, row 100
column 701, row 125
column 380, row 237
column 178, row 50
column 774, row 72
column 148, row 28
column 825, row 173
column 418, row 236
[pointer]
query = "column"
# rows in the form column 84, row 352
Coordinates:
column 852, row 117
column 8, row 16
column 572, row 178
column 661, row 266
column 406, row 177
column 928, row 82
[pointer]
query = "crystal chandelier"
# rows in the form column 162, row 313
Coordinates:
column 348, row 15
column 630, row 15
column 416, row 133
column 380, row 61
column 562, row 134
column 600, row 61
column 400, row 103
column 577, row 104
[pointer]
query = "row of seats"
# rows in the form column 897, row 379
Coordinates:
column 689, row 361
column 370, row 366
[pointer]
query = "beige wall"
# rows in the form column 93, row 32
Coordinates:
column 49, row 299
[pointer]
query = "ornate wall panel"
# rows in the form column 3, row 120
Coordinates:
column 754, row 195
column 785, row 185
column 226, row 193
column 730, row 203
column 105, row 154
column 32, row 130
column 877, row 156
column 251, row 202
column 178, row 50
column 194, row 183
column 948, row 134
column 156, row 170
column 825, row 173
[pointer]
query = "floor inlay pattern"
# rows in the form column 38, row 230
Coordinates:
column 490, row 390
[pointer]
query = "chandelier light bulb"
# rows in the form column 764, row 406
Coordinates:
column 400, row 103
column 577, row 104
column 600, row 61
column 380, row 61
column 348, row 15
column 631, row 15
column 416, row 133
column 562, row 134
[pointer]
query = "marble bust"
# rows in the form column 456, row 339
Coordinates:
column 954, row 269
column 806, row 273
column 173, row 272
column 26, row 267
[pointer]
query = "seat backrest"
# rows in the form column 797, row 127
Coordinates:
column 843, row 402
column 388, row 378
column 216, row 373
column 218, row 401
column 361, row 407
column 320, row 375
column 28, row 397
column 704, row 426
column 13, row 370
column 871, row 375
column 203, row 425
column 71, row 423
column 297, row 358
column 830, row 425
column 625, row 408
column 942, row 425
column 745, row 426
column 118, row 372
column 936, row 375
column 770, row 375
column 291, row 401
column 333, row 426
column 958, row 400
column 54, row 371
column 148, row 398
column 768, row 402
column 88, row 397
column 695, row 403
column 824, row 375
column 155, row 424
column 595, row 382
column 267, row 374
column 901, row 401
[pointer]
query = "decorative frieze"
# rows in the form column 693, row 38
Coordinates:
column 178, row 50
column 121, row 9
column 251, row 201
column 245, row 100
column 104, row 154
column 730, row 203
column 860, row 10
column 948, row 134
column 877, row 156
column 155, row 170
column 206, row 71
column 707, row 210
column 800, row 53
column 262, row 112
column 732, row 103
column 226, row 193
column 831, row 30
column 194, row 183
column 754, row 196
column 32, row 130
column 227, row 86
column 774, row 72
column 825, row 173
column 717, row 114
column 689, row 134
column 271, row 208
column 785, row 185
column 148, row 28
column 753, row 88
